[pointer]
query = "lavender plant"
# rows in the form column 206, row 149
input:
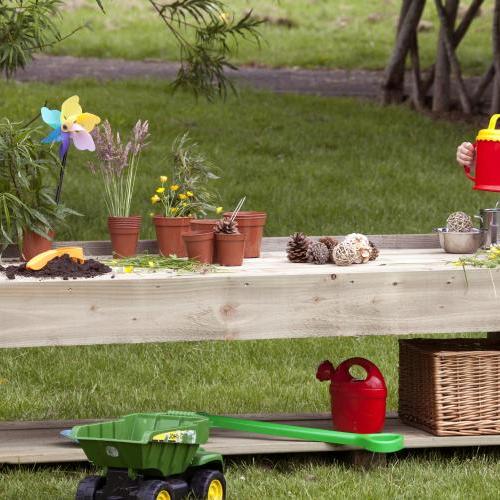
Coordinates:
column 117, row 164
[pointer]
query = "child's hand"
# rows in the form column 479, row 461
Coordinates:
column 466, row 155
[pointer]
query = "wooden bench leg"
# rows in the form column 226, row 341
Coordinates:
column 367, row 460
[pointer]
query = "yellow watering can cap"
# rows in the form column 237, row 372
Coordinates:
column 491, row 133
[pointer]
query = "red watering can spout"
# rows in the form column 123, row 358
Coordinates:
column 325, row 371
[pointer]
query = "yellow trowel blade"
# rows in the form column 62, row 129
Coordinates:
column 42, row 259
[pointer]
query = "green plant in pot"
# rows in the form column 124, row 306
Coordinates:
column 185, row 196
column 29, row 213
column 117, row 165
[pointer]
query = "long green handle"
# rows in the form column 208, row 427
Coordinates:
column 380, row 443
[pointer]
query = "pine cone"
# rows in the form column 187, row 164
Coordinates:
column 296, row 249
column 329, row 242
column 226, row 226
column 373, row 251
column 318, row 253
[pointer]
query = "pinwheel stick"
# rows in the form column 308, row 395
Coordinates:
column 61, row 178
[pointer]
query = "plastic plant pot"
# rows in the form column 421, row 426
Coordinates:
column 252, row 225
column 169, row 231
column 34, row 244
column 200, row 246
column 124, row 233
column 230, row 249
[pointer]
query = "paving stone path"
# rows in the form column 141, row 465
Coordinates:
column 325, row 82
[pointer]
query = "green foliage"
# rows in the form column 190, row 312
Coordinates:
column 191, row 193
column 26, row 202
column 206, row 35
column 26, row 27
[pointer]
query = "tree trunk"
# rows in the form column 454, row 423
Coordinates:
column 417, row 95
column 452, row 58
column 495, row 100
column 460, row 32
column 393, row 85
column 441, row 90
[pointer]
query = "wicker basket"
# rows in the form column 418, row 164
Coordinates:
column 450, row 387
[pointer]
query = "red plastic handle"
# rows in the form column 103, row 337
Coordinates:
column 467, row 170
column 342, row 372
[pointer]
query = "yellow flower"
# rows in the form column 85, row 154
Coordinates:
column 163, row 179
column 129, row 269
column 182, row 196
column 151, row 263
column 174, row 210
column 184, row 204
column 155, row 199
column 189, row 193
column 174, row 187
column 160, row 190
column 219, row 210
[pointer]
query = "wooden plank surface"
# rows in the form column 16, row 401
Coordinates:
column 40, row 442
column 404, row 291
column 269, row 244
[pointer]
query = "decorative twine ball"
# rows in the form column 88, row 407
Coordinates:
column 362, row 246
column 459, row 222
column 344, row 254
column 318, row 253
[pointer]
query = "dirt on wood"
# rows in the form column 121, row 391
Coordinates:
column 61, row 267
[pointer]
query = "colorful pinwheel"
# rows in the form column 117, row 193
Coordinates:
column 70, row 124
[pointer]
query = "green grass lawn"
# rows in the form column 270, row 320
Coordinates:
column 325, row 166
column 329, row 33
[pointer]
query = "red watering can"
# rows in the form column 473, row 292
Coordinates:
column 357, row 405
column 487, row 174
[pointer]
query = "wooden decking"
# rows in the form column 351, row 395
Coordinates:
column 40, row 442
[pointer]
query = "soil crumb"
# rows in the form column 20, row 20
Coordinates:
column 61, row 267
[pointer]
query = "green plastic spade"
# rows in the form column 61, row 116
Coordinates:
column 380, row 443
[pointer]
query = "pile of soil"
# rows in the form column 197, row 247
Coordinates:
column 61, row 267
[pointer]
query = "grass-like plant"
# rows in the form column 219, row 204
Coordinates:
column 189, row 193
column 117, row 165
column 26, row 196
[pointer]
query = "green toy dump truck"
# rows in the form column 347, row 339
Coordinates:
column 151, row 456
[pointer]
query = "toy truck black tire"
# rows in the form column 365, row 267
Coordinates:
column 173, row 489
column 88, row 487
column 205, row 479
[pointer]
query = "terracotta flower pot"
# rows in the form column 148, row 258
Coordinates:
column 124, row 232
column 230, row 248
column 252, row 225
column 169, row 231
column 33, row 244
column 200, row 246
column 203, row 225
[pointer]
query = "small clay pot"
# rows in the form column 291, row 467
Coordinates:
column 169, row 231
column 200, row 246
column 252, row 225
column 34, row 244
column 124, row 232
column 230, row 248
column 203, row 225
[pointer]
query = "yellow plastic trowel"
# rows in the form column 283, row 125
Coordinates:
column 42, row 259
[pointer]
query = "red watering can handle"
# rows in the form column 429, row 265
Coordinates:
column 467, row 169
column 342, row 372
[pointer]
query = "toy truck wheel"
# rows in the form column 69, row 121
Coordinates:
column 172, row 489
column 88, row 487
column 208, row 485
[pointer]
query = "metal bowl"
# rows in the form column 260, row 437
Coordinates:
column 452, row 242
